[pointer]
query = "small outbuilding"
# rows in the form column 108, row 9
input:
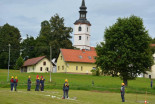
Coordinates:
column 39, row 64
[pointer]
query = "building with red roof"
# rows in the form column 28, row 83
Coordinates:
column 76, row 61
column 38, row 64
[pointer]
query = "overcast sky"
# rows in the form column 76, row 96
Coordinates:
column 27, row 15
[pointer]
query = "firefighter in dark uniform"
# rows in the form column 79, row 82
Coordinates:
column 65, row 89
column 15, row 83
column 29, row 84
column 123, row 92
column 37, row 84
column 12, row 83
column 42, row 83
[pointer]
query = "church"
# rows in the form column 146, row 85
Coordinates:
column 80, row 60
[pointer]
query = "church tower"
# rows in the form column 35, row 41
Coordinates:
column 82, row 29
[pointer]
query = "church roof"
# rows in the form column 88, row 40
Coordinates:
column 82, row 20
column 33, row 61
column 84, row 56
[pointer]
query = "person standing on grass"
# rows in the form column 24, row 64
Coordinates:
column 12, row 83
column 151, row 83
column 65, row 89
column 123, row 92
column 15, row 83
column 42, row 83
column 37, row 84
column 29, row 84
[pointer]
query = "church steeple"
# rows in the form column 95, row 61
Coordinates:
column 83, row 10
column 82, row 18
column 82, row 29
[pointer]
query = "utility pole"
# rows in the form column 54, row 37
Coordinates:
column 8, row 64
column 50, row 61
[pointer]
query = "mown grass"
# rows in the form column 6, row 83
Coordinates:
column 79, row 82
column 75, row 97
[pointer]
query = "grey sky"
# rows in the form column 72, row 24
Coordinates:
column 27, row 15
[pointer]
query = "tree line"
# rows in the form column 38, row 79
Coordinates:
column 53, row 34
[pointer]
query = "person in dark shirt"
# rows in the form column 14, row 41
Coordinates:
column 37, row 84
column 15, row 83
column 29, row 84
column 42, row 83
column 65, row 89
column 123, row 92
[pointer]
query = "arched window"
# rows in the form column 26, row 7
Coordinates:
column 80, row 29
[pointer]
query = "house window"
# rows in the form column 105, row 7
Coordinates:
column 79, row 37
column 47, row 69
column 87, row 37
column 80, row 29
column 44, row 63
column 76, row 67
column 87, row 29
column 40, row 68
column 62, row 67
column 80, row 57
column 89, row 57
column 81, row 68
column 58, row 67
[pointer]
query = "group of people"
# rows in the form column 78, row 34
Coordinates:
column 14, row 83
column 39, row 83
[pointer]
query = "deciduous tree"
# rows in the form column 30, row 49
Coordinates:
column 126, row 50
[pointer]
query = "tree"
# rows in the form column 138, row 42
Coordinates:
column 126, row 49
column 28, row 47
column 55, row 34
column 19, row 63
column 9, row 35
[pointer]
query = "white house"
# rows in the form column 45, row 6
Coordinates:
column 151, row 73
column 38, row 64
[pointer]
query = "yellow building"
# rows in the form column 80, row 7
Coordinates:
column 76, row 61
column 38, row 64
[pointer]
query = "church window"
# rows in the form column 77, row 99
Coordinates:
column 80, row 29
column 79, row 37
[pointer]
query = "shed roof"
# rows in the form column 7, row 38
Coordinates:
column 33, row 61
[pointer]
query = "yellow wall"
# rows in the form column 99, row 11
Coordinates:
column 73, row 67
column 36, row 68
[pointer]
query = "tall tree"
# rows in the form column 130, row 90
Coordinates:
column 9, row 35
column 126, row 49
column 28, row 47
column 55, row 34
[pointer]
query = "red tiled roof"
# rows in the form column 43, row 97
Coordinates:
column 92, row 48
column 33, row 61
column 71, row 55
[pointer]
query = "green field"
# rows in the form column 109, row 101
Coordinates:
column 75, row 97
column 79, row 82
column 106, row 89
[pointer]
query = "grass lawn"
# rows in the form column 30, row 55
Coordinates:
column 79, row 82
column 54, row 96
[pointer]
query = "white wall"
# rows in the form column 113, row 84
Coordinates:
column 84, row 43
column 36, row 68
